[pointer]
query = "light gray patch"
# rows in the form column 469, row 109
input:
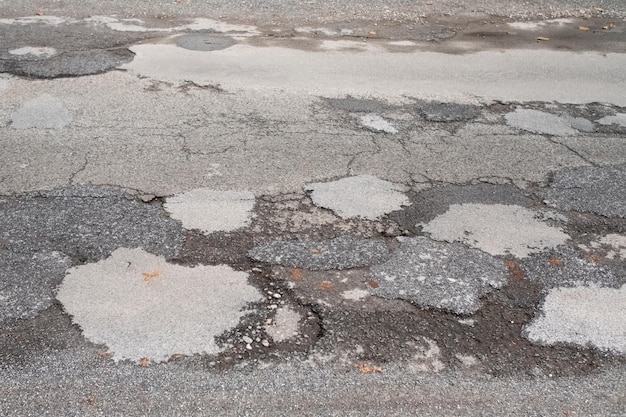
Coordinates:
column 440, row 275
column 28, row 281
column 497, row 229
column 583, row 316
column 356, row 105
column 376, row 123
column 536, row 121
column 581, row 124
column 361, row 196
column 564, row 267
column 67, row 64
column 428, row 204
column 618, row 119
column 204, row 42
column 340, row 253
column 86, row 222
column 447, row 112
column 210, row 210
column 601, row 190
column 43, row 112
column 36, row 51
column 140, row 306
column 285, row 326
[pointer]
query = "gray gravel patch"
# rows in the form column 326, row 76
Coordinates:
column 204, row 42
column 340, row 253
column 28, row 281
column 448, row 112
column 440, row 275
column 67, row 64
column 86, row 223
column 601, row 190
column 356, row 105
column 565, row 267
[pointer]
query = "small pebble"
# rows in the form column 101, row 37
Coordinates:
column 249, row 347
column 265, row 342
column 276, row 295
column 247, row 339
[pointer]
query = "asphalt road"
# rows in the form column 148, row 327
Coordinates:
column 339, row 208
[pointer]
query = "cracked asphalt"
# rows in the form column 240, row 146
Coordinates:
column 321, row 210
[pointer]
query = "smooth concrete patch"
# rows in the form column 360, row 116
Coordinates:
column 497, row 229
column 27, row 282
column 86, row 223
column 375, row 123
column 547, row 74
column 339, row 253
column 446, row 276
column 618, row 119
column 447, row 112
column 43, row 112
column 601, row 190
column 536, row 121
column 140, row 306
column 285, row 324
column 210, row 210
column 586, row 316
column 361, row 196
column 204, row 41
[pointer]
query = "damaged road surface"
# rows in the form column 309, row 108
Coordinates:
column 359, row 211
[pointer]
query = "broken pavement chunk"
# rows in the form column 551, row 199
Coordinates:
column 339, row 253
column 446, row 276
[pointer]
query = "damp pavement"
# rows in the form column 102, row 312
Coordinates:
column 397, row 212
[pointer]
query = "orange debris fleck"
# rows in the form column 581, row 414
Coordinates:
column 148, row 276
column 367, row 369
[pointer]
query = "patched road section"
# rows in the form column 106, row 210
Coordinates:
column 440, row 275
column 583, row 316
column 142, row 307
column 27, row 282
column 497, row 229
column 210, row 210
column 43, row 112
column 86, row 223
column 601, row 190
column 362, row 196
